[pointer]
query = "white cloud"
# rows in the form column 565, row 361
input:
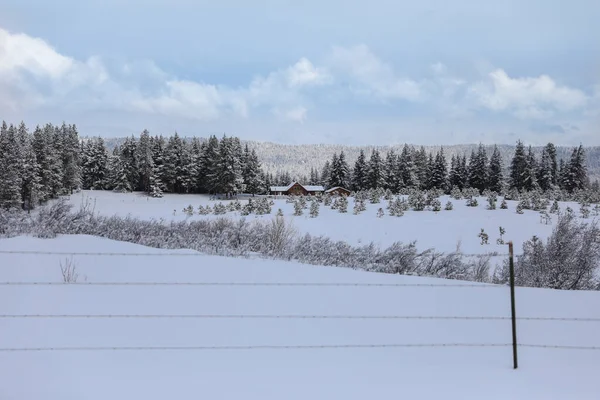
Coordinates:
column 373, row 76
column 305, row 73
column 537, row 97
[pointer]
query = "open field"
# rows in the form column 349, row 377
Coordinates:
column 293, row 373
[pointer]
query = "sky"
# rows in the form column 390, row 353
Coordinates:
column 335, row 71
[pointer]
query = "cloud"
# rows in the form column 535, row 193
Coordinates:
column 35, row 77
column 370, row 76
column 535, row 98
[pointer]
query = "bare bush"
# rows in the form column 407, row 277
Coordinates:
column 68, row 269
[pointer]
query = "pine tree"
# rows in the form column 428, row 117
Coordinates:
column 253, row 180
column 145, row 161
column 94, row 160
column 359, row 175
column 495, row 175
column 339, row 171
column 439, row 178
column 518, row 168
column 407, row 169
column 129, row 162
column 421, row 167
column 529, row 176
column 230, row 177
column 71, row 165
column 30, row 180
column 325, row 175
column 10, row 168
column 375, row 175
column 478, row 167
column 576, row 170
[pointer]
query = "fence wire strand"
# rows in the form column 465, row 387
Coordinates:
column 262, row 284
column 249, row 347
column 289, row 316
column 174, row 254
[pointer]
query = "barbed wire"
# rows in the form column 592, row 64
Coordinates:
column 264, row 284
column 564, row 347
column 249, row 347
column 173, row 254
column 289, row 316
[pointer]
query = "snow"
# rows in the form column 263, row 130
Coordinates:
column 384, row 373
column 443, row 230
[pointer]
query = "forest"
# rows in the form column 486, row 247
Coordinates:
column 54, row 160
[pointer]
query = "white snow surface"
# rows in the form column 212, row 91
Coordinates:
column 441, row 230
column 366, row 373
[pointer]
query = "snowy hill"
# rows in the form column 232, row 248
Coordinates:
column 276, row 373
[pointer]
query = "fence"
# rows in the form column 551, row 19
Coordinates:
column 448, row 285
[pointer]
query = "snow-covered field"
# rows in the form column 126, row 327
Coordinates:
column 442, row 230
column 342, row 373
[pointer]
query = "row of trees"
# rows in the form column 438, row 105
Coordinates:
column 155, row 165
column 414, row 168
column 37, row 167
column 53, row 160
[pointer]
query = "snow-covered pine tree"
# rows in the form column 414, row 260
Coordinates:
column 576, row 171
column 254, row 183
column 478, row 167
column 390, row 170
column 94, row 164
column 30, row 179
column 518, row 168
column 325, row 175
column 209, row 167
column 375, row 173
column 529, row 177
column 359, row 175
column 339, row 171
column 10, row 168
column 129, row 162
column 56, row 163
column 71, row 164
column 439, row 179
column 407, row 169
column 421, row 166
column 495, row 174
column 145, row 162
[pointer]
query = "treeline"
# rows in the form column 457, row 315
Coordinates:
column 416, row 169
column 155, row 165
column 53, row 161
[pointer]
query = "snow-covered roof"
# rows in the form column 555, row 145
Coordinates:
column 309, row 188
column 335, row 188
column 314, row 188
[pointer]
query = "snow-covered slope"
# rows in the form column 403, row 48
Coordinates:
column 442, row 230
column 345, row 373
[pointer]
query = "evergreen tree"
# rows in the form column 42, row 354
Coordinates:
column 421, row 167
column 339, row 171
column 495, row 175
column 518, row 168
column 454, row 175
column 375, row 173
column 407, row 169
column 145, row 161
column 359, row 175
column 545, row 174
column 253, row 179
column 230, row 177
column 70, row 151
column 325, row 175
column 94, row 164
column 529, row 176
column 576, row 170
column 478, row 167
column 439, row 179
column 392, row 175
column 10, row 168
column 30, row 180
column 129, row 162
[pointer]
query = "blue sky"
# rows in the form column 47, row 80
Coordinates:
column 353, row 72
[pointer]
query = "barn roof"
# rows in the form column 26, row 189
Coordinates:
column 309, row 188
column 336, row 188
